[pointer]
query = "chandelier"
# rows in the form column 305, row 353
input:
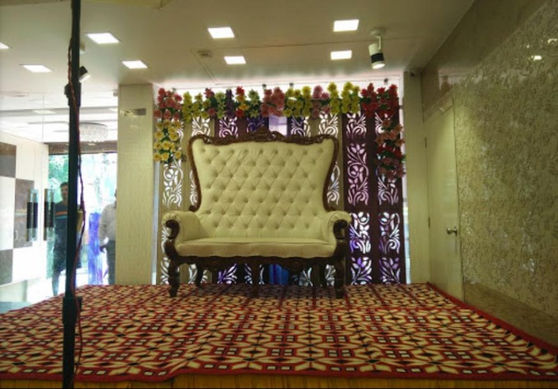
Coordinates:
column 93, row 132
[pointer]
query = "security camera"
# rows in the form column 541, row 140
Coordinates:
column 376, row 56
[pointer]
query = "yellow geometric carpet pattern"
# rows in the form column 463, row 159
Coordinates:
column 139, row 333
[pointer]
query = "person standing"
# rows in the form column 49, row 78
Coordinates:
column 60, row 237
column 107, row 232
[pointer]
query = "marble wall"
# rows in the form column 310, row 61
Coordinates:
column 506, row 130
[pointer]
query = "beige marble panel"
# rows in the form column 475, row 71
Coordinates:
column 483, row 28
column 506, row 126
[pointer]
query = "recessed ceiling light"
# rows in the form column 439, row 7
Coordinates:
column 536, row 57
column 44, row 111
column 137, row 64
column 37, row 68
column 221, row 32
column 103, row 38
column 3, row 46
column 345, row 25
column 235, row 60
column 552, row 40
column 344, row 54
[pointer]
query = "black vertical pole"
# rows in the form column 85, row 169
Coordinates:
column 69, row 305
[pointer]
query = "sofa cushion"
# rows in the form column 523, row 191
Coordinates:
column 265, row 247
column 262, row 190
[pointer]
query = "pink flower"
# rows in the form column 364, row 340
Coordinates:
column 211, row 112
column 178, row 98
column 157, row 113
column 167, row 114
column 161, row 91
column 265, row 110
column 176, row 115
column 209, row 93
column 315, row 112
column 239, row 91
column 317, row 92
column 325, row 96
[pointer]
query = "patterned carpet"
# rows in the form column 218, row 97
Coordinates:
column 138, row 333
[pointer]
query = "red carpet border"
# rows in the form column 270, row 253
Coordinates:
column 139, row 333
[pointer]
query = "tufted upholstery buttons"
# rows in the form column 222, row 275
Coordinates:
column 262, row 189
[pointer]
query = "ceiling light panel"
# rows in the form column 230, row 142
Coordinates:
column 343, row 54
column 4, row 46
column 44, row 111
column 103, row 38
column 235, row 60
column 345, row 25
column 136, row 64
column 37, row 68
column 221, row 32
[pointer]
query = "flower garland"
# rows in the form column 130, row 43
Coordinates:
column 390, row 139
column 166, row 144
column 173, row 109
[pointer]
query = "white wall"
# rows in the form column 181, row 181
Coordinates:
column 417, row 179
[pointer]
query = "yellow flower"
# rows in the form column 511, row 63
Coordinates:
column 165, row 157
column 174, row 136
column 159, row 135
column 166, row 145
column 157, row 146
column 157, row 157
column 178, row 155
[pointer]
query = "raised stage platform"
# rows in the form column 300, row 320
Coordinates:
column 286, row 336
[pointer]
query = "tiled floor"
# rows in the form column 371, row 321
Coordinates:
column 531, row 321
column 42, row 290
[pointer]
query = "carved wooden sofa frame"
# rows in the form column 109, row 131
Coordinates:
column 337, row 220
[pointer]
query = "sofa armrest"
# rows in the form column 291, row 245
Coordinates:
column 334, row 225
column 184, row 225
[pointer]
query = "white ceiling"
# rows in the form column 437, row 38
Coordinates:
column 282, row 41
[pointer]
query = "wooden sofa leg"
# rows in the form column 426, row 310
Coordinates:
column 339, row 278
column 255, row 268
column 199, row 275
column 174, row 278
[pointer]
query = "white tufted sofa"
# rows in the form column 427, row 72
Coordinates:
column 262, row 199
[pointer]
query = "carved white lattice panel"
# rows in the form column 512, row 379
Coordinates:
column 387, row 190
column 359, row 233
column 357, row 174
column 300, row 126
column 361, row 270
column 356, row 125
column 390, row 270
column 173, row 178
column 329, row 124
column 333, row 186
column 200, row 126
column 389, row 232
column 228, row 127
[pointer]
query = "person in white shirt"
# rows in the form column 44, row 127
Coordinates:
column 107, row 236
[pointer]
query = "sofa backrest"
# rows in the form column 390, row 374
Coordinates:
column 264, row 188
